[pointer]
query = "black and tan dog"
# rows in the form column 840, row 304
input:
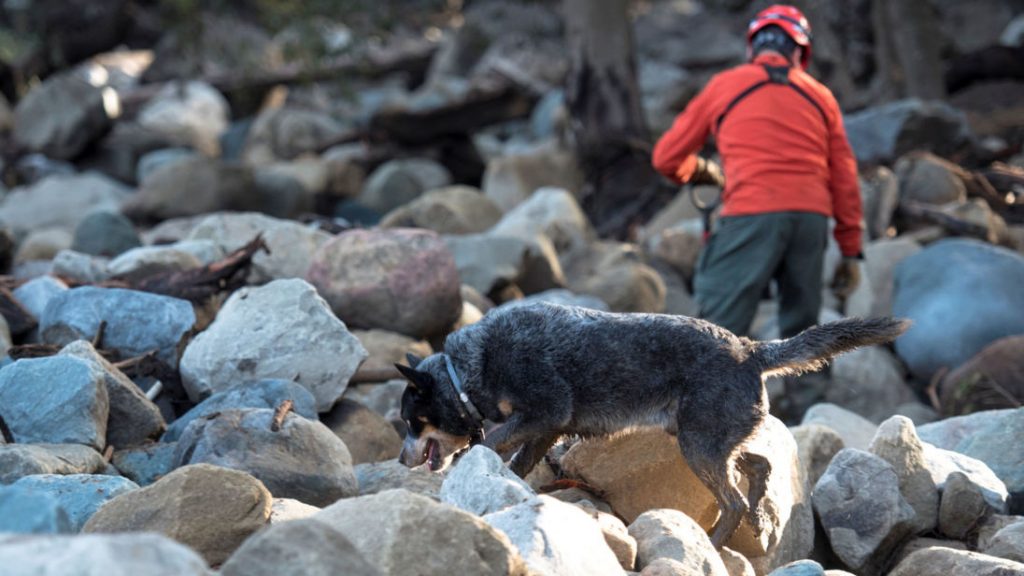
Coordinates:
column 545, row 370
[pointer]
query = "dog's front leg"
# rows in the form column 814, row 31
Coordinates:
column 531, row 453
column 535, row 438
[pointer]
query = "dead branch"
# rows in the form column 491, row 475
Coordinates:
column 98, row 338
column 108, row 453
column 5, row 431
column 279, row 414
column 374, row 375
column 934, row 215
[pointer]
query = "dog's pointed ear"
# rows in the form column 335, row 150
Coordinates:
column 413, row 359
column 418, row 380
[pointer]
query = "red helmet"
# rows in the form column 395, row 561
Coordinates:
column 791, row 20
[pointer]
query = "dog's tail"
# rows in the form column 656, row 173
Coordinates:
column 813, row 348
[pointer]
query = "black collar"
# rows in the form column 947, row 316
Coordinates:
column 470, row 409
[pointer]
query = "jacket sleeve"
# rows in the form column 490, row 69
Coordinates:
column 844, row 187
column 675, row 152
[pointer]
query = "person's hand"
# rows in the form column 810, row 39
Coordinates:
column 847, row 277
column 707, row 172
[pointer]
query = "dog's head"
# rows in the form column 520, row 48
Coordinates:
column 437, row 429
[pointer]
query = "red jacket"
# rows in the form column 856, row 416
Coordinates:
column 780, row 152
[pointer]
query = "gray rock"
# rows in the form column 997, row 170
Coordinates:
column 137, row 322
column 799, row 568
column 191, row 505
column 897, row 443
column 80, row 267
column 1007, row 543
column 984, row 436
column 939, row 561
column 243, row 440
column 20, row 460
column 944, row 463
column 35, row 294
column 59, row 400
column 92, row 555
column 512, row 179
column 386, row 349
column 80, row 495
column 855, row 430
column 884, row 133
column 288, row 510
column 190, row 111
column 552, row 212
column 61, row 116
column 387, row 529
column 143, row 261
column 170, row 190
column 481, row 483
column 860, row 507
column 929, row 179
column 282, row 330
column 674, row 535
column 133, row 418
column 873, row 296
column 274, row 551
column 488, row 262
column 869, row 381
column 105, row 233
column 269, row 393
column 817, row 444
column 150, row 161
column 616, row 273
column 291, row 244
column 146, row 464
column 27, row 511
column 375, row 477
column 60, row 201
column 43, row 244
column 450, row 210
column 963, row 506
column 958, row 309
column 562, row 296
column 407, row 280
column 556, row 538
column 285, row 133
column 368, row 436
column 399, row 182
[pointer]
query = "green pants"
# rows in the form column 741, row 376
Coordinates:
column 746, row 252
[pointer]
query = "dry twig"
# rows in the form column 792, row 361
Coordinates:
column 279, row 414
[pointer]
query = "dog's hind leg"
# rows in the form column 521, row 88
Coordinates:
column 716, row 469
column 756, row 468
column 531, row 453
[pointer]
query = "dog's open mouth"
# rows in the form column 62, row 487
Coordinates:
column 432, row 455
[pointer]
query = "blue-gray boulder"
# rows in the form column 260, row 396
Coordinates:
column 245, row 440
column 133, row 418
column 146, row 464
column 105, row 233
column 35, row 294
column 20, row 460
column 81, row 495
column 961, row 295
column 137, row 322
column 261, row 394
column 127, row 554
column 57, row 400
column 27, row 511
column 886, row 132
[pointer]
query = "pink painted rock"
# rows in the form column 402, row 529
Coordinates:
column 401, row 279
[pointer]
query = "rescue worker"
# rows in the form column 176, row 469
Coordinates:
column 788, row 167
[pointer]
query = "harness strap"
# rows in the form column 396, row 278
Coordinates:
column 776, row 75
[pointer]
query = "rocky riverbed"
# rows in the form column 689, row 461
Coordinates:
column 207, row 280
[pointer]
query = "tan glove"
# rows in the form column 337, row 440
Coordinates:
column 847, row 277
column 707, row 172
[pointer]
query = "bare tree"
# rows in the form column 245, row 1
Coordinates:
column 612, row 142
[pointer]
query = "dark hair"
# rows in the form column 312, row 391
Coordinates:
column 772, row 38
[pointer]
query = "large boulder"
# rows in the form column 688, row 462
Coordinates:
column 957, row 293
column 898, row 444
column 27, row 511
column 63, row 115
column 869, row 381
column 940, row 561
column 449, row 210
column 107, row 554
column 387, row 529
column 136, row 322
column 369, row 436
column 644, row 470
column 861, row 509
column 291, row 244
column 57, row 400
column 512, row 179
column 192, row 112
column 481, row 483
column 555, row 538
column 208, row 508
column 80, row 495
column 984, row 436
column 873, row 296
column 854, row 430
column 191, row 186
column 616, row 273
column 399, row 182
column 552, row 212
column 488, row 262
column 282, row 330
column 248, row 440
column 375, row 477
column 20, row 460
column 403, row 280
column 296, row 548
column 105, row 233
column 886, row 132
column 61, row 201
column 929, row 179
column 133, row 418
column 667, row 533
column 286, row 133
column 147, row 463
